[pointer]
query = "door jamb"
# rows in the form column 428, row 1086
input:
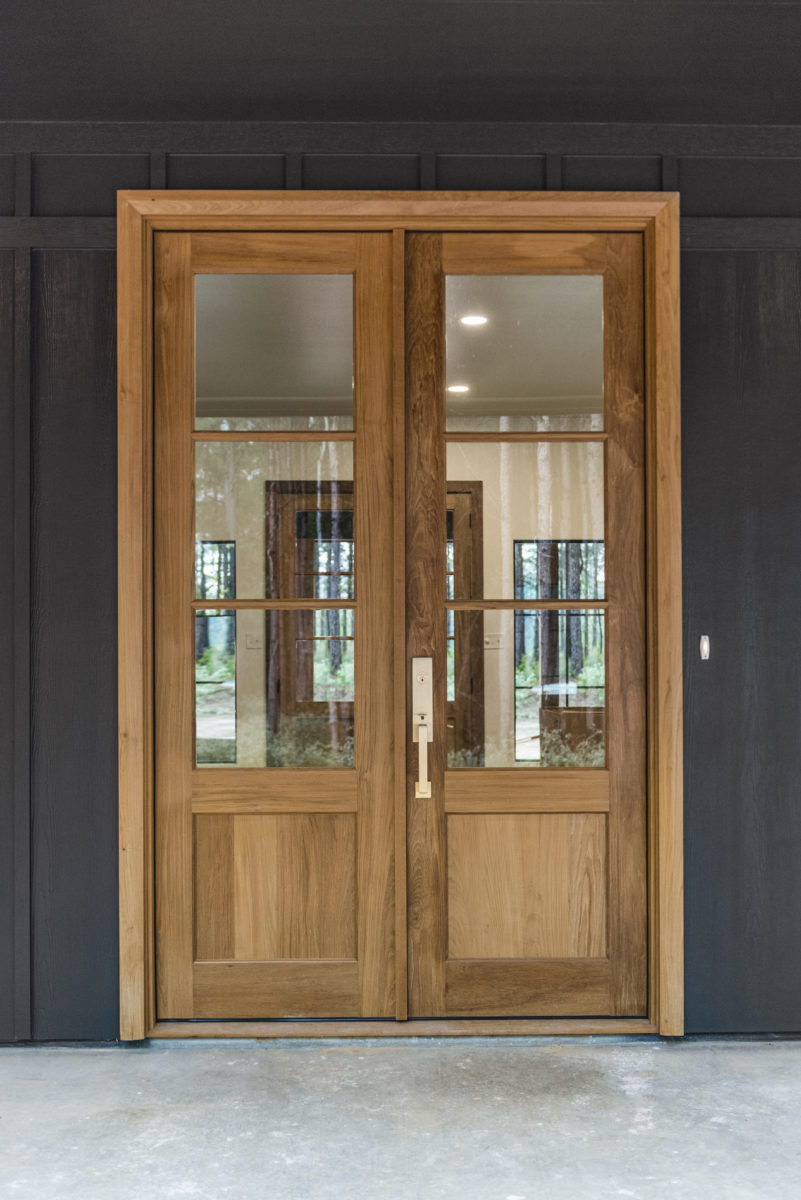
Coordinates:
column 655, row 216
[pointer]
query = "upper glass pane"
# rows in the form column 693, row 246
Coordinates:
column 524, row 352
column 525, row 520
column 274, row 519
column 274, row 352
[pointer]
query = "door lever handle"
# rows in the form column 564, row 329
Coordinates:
column 422, row 702
column 422, row 789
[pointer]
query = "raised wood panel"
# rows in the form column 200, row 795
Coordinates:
column 495, row 789
column 212, row 877
column 527, row 886
column 294, row 887
column 251, row 990
column 548, row 988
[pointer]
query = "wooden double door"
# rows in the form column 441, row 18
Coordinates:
column 373, row 448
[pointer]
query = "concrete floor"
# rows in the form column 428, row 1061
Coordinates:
column 478, row 1119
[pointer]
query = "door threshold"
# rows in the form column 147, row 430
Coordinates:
column 486, row 1027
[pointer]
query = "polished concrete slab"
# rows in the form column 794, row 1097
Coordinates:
column 477, row 1119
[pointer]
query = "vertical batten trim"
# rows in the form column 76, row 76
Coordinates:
column 21, row 790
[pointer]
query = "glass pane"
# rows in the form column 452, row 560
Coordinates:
column 274, row 351
column 215, row 687
column 282, row 512
column 529, row 515
column 274, row 689
column 524, row 352
column 528, row 689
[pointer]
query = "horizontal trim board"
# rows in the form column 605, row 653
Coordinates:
column 277, row 789
column 697, row 233
column 274, row 435
column 490, row 987
column 497, row 1027
column 279, row 605
column 740, row 233
column 516, row 435
column 532, row 790
column 570, row 603
column 59, row 233
column 328, row 988
column 425, row 137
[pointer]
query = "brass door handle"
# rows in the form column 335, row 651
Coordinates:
column 422, row 703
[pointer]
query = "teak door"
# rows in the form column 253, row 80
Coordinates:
column 274, row 822
column 318, row 527
column 527, row 876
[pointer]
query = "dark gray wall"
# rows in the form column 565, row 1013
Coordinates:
column 742, row 515
column 731, row 61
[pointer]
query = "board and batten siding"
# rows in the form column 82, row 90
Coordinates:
column 741, row 349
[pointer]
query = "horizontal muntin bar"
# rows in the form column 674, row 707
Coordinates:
column 299, row 605
column 270, row 435
column 565, row 604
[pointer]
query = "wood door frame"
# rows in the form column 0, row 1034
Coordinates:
column 656, row 217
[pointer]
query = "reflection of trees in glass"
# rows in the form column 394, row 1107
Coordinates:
column 552, row 645
column 559, row 654
column 215, row 579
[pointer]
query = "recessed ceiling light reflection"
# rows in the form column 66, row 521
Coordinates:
column 472, row 319
column 458, row 387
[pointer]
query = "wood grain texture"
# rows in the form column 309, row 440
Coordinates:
column 135, row 621
column 552, row 988
column 302, row 989
column 280, row 789
column 472, row 1027
column 374, row 716
column 527, row 886
column 626, row 631
column 620, row 213
column 665, row 703
column 303, row 846
column 489, row 211
column 425, row 626
column 513, row 254
column 174, row 704
column 283, row 253
column 491, row 905
column 497, row 789
column 399, row 609
column 213, row 884
column 292, row 887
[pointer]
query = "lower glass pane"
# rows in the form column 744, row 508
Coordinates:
column 215, row 687
column 274, row 689
column 526, row 688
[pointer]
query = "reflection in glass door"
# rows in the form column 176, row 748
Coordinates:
column 274, row 535
column 528, row 878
